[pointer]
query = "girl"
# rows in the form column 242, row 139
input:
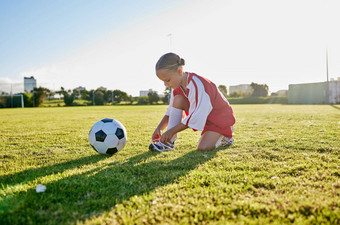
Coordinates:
column 206, row 108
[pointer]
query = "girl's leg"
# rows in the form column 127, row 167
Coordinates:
column 180, row 103
column 208, row 140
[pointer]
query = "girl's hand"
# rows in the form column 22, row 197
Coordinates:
column 156, row 135
column 167, row 136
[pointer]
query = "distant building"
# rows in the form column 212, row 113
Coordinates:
column 145, row 93
column 29, row 84
column 102, row 88
column 333, row 79
column 315, row 93
column 334, row 91
column 244, row 88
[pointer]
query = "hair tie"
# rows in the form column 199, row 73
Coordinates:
column 180, row 62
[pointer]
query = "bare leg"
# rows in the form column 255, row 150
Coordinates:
column 180, row 103
column 208, row 141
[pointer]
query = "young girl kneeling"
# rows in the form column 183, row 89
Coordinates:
column 205, row 107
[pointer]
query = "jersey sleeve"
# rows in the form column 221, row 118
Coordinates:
column 200, row 105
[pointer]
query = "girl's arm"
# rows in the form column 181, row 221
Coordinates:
column 161, row 126
column 167, row 136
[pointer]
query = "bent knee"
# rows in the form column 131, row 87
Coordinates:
column 180, row 103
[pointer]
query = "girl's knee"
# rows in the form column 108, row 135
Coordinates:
column 208, row 141
column 180, row 103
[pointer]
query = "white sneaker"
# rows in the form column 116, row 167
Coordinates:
column 226, row 141
column 160, row 147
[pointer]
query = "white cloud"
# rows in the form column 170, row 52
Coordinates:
column 9, row 85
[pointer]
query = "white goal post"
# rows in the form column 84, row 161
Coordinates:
column 16, row 95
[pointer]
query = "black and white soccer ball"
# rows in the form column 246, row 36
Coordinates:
column 107, row 136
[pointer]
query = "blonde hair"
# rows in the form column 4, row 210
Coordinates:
column 170, row 61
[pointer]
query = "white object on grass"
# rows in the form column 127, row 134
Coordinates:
column 40, row 188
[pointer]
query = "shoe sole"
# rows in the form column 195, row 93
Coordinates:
column 153, row 148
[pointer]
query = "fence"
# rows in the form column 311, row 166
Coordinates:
column 315, row 93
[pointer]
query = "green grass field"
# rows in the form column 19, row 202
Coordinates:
column 283, row 168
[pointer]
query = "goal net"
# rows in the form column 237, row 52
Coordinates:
column 11, row 101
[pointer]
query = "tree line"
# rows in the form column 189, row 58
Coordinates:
column 103, row 96
column 100, row 96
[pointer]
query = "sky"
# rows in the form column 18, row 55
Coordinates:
column 116, row 43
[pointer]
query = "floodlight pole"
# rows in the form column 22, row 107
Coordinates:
column 170, row 39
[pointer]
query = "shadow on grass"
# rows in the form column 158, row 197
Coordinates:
column 29, row 175
column 79, row 197
column 335, row 106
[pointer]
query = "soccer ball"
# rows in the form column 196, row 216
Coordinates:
column 107, row 136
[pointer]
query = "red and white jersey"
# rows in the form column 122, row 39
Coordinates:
column 208, row 108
